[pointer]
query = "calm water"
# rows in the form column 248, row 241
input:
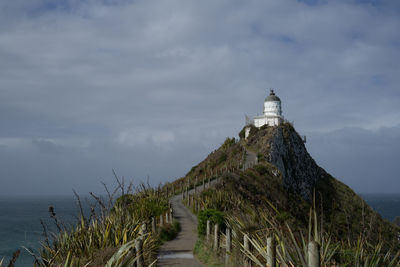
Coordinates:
column 20, row 220
column 20, row 223
column 388, row 205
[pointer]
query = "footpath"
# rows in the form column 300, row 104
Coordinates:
column 179, row 252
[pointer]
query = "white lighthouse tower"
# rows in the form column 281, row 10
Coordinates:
column 272, row 112
column 272, row 115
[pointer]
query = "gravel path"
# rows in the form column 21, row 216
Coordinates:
column 179, row 252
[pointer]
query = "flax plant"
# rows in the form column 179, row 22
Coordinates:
column 292, row 246
column 114, row 230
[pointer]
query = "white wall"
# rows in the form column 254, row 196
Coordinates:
column 272, row 114
column 272, row 108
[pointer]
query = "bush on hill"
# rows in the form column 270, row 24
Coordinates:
column 214, row 216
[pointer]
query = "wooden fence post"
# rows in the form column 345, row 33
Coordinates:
column 161, row 220
column 216, row 237
column 313, row 254
column 271, row 252
column 228, row 245
column 143, row 229
column 167, row 218
column 153, row 224
column 170, row 215
column 139, row 252
column 183, row 194
column 208, row 230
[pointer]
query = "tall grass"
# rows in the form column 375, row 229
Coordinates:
column 109, row 235
column 255, row 216
column 292, row 246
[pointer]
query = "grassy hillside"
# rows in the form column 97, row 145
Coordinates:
column 108, row 236
column 280, row 190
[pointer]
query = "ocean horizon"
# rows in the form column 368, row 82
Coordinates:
column 20, row 219
column 21, row 227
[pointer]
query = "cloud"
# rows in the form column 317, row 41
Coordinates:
column 90, row 79
column 134, row 137
column 48, row 146
column 364, row 159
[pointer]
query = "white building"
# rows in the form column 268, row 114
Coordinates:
column 272, row 115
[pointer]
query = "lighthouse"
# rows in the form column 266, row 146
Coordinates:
column 272, row 114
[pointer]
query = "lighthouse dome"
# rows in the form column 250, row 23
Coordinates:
column 272, row 97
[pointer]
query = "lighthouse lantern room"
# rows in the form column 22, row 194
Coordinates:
column 272, row 115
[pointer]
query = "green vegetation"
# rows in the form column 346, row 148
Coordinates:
column 107, row 239
column 228, row 156
column 259, row 203
column 214, row 216
column 144, row 204
column 168, row 232
column 292, row 247
column 206, row 255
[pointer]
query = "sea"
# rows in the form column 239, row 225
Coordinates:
column 21, row 217
column 22, row 222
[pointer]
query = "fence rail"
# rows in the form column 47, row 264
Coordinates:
column 137, row 251
column 217, row 237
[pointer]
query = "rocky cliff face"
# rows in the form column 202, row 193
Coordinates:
column 283, row 147
column 299, row 170
column 291, row 189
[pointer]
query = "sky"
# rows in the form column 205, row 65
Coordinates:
column 150, row 88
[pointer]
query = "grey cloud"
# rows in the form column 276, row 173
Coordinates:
column 149, row 86
column 48, row 146
column 364, row 159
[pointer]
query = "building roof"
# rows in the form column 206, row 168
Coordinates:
column 272, row 96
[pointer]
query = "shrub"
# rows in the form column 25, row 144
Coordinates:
column 253, row 130
column 222, row 158
column 169, row 232
column 261, row 169
column 216, row 217
column 228, row 143
column 143, row 205
column 242, row 133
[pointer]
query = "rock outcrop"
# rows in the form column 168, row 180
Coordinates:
column 284, row 148
column 299, row 170
column 287, row 177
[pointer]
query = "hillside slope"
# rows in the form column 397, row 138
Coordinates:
column 286, row 182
